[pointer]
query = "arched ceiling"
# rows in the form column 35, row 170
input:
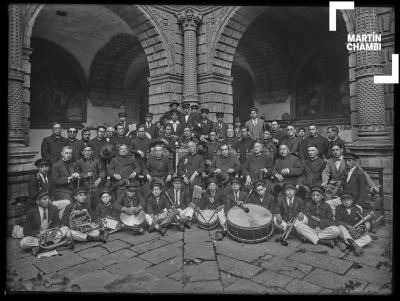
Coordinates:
column 82, row 32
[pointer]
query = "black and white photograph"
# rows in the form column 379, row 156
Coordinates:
column 200, row 149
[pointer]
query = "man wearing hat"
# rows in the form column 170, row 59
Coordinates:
column 181, row 204
column 289, row 208
column 39, row 218
column 185, row 114
column 149, row 126
column 347, row 215
column 76, row 210
column 205, row 125
column 269, row 145
column 39, row 181
column 332, row 132
column 131, row 203
column 157, row 216
column 237, row 125
column 255, row 125
column 122, row 121
column 260, row 196
column 212, row 197
column 177, row 127
column 220, row 126
column 51, row 146
column 173, row 106
column 320, row 227
column 224, row 167
column 355, row 182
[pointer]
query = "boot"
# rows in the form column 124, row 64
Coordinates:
column 181, row 225
column 140, row 231
column 356, row 249
column 36, row 250
column 161, row 231
column 327, row 242
column 97, row 238
column 187, row 222
column 342, row 246
column 151, row 229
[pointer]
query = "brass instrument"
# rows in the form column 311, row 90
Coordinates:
column 360, row 228
column 52, row 238
column 82, row 222
column 283, row 237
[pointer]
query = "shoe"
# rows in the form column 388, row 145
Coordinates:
column 106, row 234
column 35, row 250
column 188, row 223
column 220, row 234
column 181, row 227
column 327, row 242
column 342, row 246
column 140, row 231
column 356, row 249
column 151, row 229
column 162, row 231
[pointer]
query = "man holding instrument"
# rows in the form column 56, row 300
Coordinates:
column 320, row 227
column 191, row 166
column 262, row 197
column 91, row 172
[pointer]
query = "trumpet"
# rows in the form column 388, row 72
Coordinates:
column 360, row 228
column 283, row 238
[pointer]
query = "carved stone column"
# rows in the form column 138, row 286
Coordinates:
column 189, row 21
column 371, row 102
column 15, row 77
column 373, row 144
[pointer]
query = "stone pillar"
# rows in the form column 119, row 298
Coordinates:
column 20, row 157
column 189, row 21
column 26, row 63
column 372, row 143
column 15, row 77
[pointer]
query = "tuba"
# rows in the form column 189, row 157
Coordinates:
column 360, row 228
column 82, row 222
column 52, row 238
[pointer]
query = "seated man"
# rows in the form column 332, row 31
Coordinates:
column 334, row 172
column 141, row 143
column 123, row 169
column 289, row 208
column 65, row 176
column 224, row 167
column 213, row 144
column 106, row 209
column 347, row 215
column 186, row 137
column 287, row 169
column 320, row 226
column 269, row 145
column 40, row 218
column 131, row 203
column 191, row 166
column 181, row 203
column 235, row 197
column 313, row 167
column 72, row 217
column 257, row 167
column 42, row 181
column 262, row 197
column 245, row 145
column 91, row 172
column 212, row 197
column 158, row 217
column 291, row 140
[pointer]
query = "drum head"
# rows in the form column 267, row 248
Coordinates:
column 256, row 217
column 131, row 220
column 205, row 216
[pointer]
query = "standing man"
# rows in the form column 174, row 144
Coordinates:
column 74, row 143
column 173, row 106
column 315, row 139
column 122, row 121
column 65, row 176
column 52, row 145
column 98, row 141
column 194, row 115
column 255, row 125
column 220, row 126
column 291, row 140
column 206, row 124
column 333, row 137
column 177, row 128
column 150, row 127
column 245, row 145
column 39, row 181
column 237, row 125
column 185, row 114
column 85, row 137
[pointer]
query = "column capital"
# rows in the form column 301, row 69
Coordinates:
column 189, row 19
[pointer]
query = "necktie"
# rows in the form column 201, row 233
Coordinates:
column 236, row 196
column 44, row 214
column 45, row 180
column 290, row 202
column 157, row 200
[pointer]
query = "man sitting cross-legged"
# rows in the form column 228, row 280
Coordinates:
column 320, row 226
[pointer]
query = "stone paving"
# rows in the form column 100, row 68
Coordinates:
column 154, row 264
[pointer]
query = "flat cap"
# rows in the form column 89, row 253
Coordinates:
column 219, row 114
column 122, row 114
column 236, row 180
column 237, row 119
column 258, row 183
column 318, row 188
column 105, row 190
column 174, row 102
column 41, row 193
column 131, row 187
column 42, row 161
column 205, row 110
column 176, row 179
column 347, row 196
column 289, row 186
column 186, row 105
column 212, row 180
column 194, row 106
column 79, row 190
column 155, row 183
column 254, row 109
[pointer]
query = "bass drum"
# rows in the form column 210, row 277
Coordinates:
column 252, row 227
column 206, row 219
column 132, row 220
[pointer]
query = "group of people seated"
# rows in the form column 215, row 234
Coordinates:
column 149, row 177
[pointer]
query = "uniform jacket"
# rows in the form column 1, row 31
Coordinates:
column 60, row 172
column 103, row 211
column 84, row 165
column 245, row 146
column 268, row 201
column 321, row 142
column 123, row 166
column 152, row 207
column 342, row 217
column 190, row 163
column 285, row 211
column 36, row 183
column 313, row 172
column 331, row 174
column 323, row 212
column 256, row 131
column 253, row 165
column 296, row 168
column 220, row 129
column 184, row 198
column 125, row 201
column 230, row 199
column 52, row 146
column 159, row 168
column 357, row 186
column 205, row 203
column 32, row 221
column 206, row 126
column 225, row 163
column 293, row 143
column 76, row 148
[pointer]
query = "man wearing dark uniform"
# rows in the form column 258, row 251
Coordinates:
column 262, row 197
column 314, row 138
column 157, row 206
column 52, row 145
column 173, row 106
column 85, row 134
column 74, row 143
column 220, row 127
column 191, row 166
column 292, row 141
column 313, row 168
column 185, row 121
column 277, row 134
column 206, row 124
column 237, row 125
column 120, row 138
column 122, row 121
column 98, row 141
column 140, row 144
column 269, row 145
column 245, row 145
column 213, row 144
column 39, row 181
column 149, row 126
column 194, row 116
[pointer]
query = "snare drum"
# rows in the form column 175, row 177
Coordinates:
column 252, row 227
column 132, row 220
column 207, row 219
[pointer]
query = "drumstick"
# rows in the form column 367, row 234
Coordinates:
column 215, row 211
column 199, row 212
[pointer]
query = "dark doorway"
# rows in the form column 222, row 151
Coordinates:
column 243, row 89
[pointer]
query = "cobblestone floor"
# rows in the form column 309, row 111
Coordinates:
column 154, row 264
